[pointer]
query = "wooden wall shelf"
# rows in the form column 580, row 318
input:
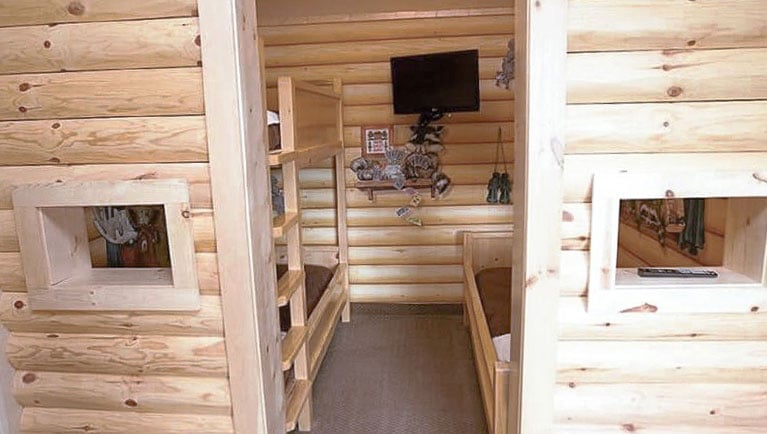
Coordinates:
column 373, row 186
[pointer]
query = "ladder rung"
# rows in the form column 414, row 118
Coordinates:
column 287, row 286
column 305, row 156
column 292, row 344
column 295, row 402
column 282, row 223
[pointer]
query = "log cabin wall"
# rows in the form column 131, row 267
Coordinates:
column 639, row 246
column 109, row 90
column 391, row 261
column 661, row 85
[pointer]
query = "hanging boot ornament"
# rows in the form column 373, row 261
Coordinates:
column 499, row 185
column 505, row 189
column 494, row 188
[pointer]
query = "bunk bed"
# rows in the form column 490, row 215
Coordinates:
column 487, row 310
column 313, row 284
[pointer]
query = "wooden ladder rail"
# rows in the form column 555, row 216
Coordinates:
column 298, row 400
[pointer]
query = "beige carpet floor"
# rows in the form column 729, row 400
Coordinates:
column 399, row 369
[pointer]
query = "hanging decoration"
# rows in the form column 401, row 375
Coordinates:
column 499, row 185
column 505, row 76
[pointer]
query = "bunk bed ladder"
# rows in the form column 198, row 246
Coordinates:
column 298, row 399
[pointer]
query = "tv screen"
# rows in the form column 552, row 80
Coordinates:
column 447, row 82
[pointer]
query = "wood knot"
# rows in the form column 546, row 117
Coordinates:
column 629, row 427
column 131, row 403
column 29, row 378
column 666, row 124
column 754, row 309
column 52, row 335
column 76, row 8
column 669, row 194
column 712, row 412
column 643, row 308
column 667, row 67
column 23, row 87
column 608, row 324
column 54, row 160
column 23, row 109
column 691, row 43
column 571, row 385
column 567, row 216
column 198, row 41
column 47, row 44
column 56, row 126
column 186, row 214
column 18, row 304
column 674, row 91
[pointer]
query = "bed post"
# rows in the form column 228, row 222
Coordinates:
column 235, row 102
column 343, row 236
column 541, row 32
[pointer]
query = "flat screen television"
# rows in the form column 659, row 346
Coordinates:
column 439, row 82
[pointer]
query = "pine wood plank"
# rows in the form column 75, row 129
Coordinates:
column 576, row 323
column 16, row 316
column 288, row 284
column 295, row 402
column 725, row 406
column 407, row 293
column 175, row 139
column 669, row 75
column 283, row 223
column 728, row 126
column 48, row 420
column 661, row 362
column 292, row 344
column 159, row 43
column 377, row 30
column 116, row 393
column 380, row 51
column 101, row 94
column 119, row 355
column 658, row 24
column 33, row 12
column 489, row 111
column 359, row 72
column 196, row 175
column 380, row 274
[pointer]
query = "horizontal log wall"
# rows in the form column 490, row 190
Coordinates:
column 109, row 90
column 660, row 85
column 391, row 261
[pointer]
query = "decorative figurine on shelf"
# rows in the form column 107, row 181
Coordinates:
column 499, row 185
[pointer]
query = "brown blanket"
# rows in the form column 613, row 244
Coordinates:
column 494, row 286
column 316, row 282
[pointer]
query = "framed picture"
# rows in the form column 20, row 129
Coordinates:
column 376, row 140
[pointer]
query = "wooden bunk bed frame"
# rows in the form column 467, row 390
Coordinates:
column 311, row 130
column 482, row 250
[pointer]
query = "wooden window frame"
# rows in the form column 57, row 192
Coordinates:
column 727, row 294
column 52, row 232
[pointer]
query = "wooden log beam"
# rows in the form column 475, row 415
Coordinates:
column 32, row 12
column 657, row 24
column 117, row 393
column 162, row 43
column 119, row 355
column 101, row 94
column 17, row 317
column 49, row 420
column 176, row 139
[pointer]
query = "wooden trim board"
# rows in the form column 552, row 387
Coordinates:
column 10, row 411
column 235, row 101
column 540, row 113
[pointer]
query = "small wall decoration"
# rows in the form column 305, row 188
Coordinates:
column 376, row 140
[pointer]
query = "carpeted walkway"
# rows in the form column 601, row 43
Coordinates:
column 398, row 369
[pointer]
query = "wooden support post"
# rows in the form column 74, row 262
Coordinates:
column 10, row 411
column 343, row 234
column 538, row 167
column 235, row 102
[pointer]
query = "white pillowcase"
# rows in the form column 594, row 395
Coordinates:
column 503, row 347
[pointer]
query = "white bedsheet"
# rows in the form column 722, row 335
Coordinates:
column 503, row 347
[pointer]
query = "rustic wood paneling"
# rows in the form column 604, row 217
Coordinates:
column 94, row 46
column 134, row 92
column 31, row 12
column 98, row 141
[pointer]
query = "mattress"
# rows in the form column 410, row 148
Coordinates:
column 316, row 283
column 494, row 286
